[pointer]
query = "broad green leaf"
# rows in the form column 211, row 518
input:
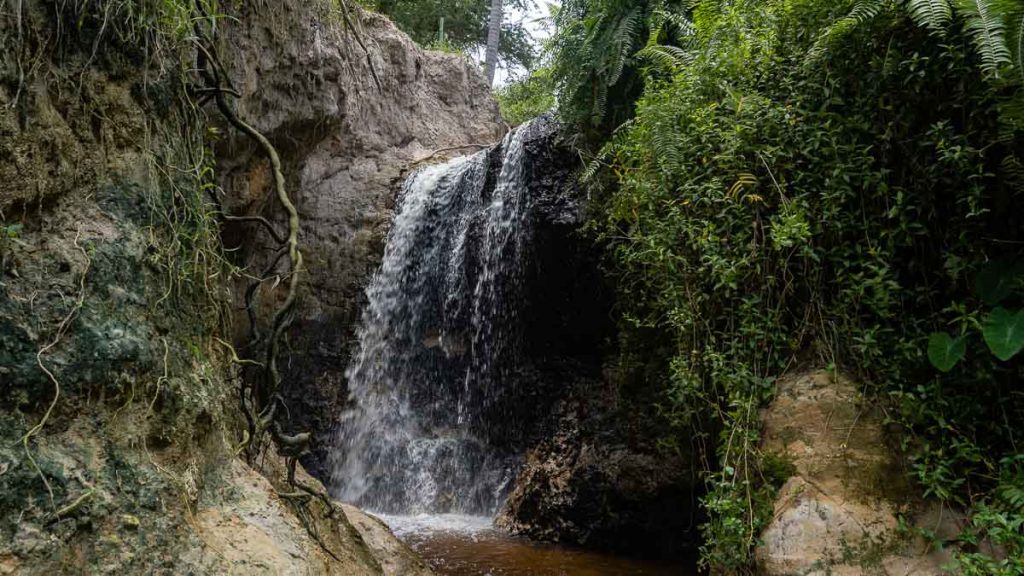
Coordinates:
column 996, row 281
column 944, row 351
column 1004, row 332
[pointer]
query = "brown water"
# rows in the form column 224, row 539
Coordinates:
column 467, row 546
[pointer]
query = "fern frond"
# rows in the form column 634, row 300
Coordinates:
column 865, row 10
column 983, row 22
column 599, row 103
column 862, row 12
column 1012, row 496
column 599, row 161
column 932, row 14
column 671, row 58
column 1020, row 45
column 626, row 34
column 682, row 25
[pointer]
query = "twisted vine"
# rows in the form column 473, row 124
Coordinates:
column 259, row 398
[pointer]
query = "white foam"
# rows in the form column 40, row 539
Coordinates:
column 426, row 524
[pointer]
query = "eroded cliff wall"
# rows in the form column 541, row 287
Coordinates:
column 119, row 429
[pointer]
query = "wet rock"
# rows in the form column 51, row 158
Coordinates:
column 593, row 473
column 396, row 559
column 600, row 481
column 254, row 532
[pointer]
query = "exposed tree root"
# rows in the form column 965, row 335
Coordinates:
column 260, row 220
column 70, row 508
column 359, row 40
column 259, row 396
column 62, row 329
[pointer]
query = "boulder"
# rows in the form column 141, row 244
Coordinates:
column 598, row 479
column 838, row 513
column 253, row 532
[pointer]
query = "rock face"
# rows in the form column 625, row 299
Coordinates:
column 348, row 124
column 254, row 532
column 119, row 428
column 593, row 483
column 593, row 474
column 837, row 514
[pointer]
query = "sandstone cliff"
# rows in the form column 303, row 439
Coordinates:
column 120, row 428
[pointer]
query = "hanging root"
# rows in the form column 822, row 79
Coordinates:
column 259, row 395
column 62, row 329
column 359, row 40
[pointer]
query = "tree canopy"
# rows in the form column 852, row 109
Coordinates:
column 465, row 26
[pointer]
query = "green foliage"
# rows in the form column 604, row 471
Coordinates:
column 987, row 23
column 1001, row 329
column 596, row 57
column 10, row 230
column 997, row 521
column 527, row 98
column 944, row 351
column 996, row 282
column 458, row 25
column 133, row 24
column 802, row 177
column 1004, row 332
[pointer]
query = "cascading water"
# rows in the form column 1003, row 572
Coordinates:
column 439, row 342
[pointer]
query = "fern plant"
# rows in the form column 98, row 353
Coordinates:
column 932, row 14
column 984, row 22
column 669, row 42
column 990, row 24
column 596, row 55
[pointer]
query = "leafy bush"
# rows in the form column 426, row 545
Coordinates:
column 794, row 186
column 527, row 98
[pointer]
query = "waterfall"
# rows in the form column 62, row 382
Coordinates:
column 438, row 344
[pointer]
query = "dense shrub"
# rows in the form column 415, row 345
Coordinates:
column 799, row 183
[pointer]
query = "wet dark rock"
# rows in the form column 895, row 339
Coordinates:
column 594, row 473
column 591, row 487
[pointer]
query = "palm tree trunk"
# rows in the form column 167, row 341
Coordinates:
column 493, row 38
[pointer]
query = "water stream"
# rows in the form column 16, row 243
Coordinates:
column 457, row 545
column 439, row 331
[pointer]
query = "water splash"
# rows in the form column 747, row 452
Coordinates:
column 437, row 342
